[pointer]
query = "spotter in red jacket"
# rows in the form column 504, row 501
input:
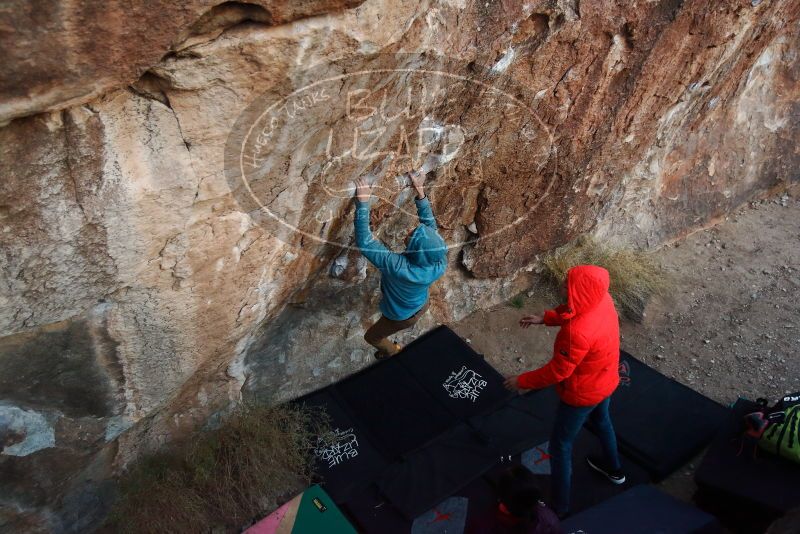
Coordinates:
column 585, row 359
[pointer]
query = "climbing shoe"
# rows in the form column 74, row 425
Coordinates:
column 381, row 355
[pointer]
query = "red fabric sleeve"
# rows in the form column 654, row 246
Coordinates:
column 568, row 351
column 552, row 318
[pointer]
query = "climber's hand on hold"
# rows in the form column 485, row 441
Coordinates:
column 363, row 190
column 528, row 320
column 418, row 181
column 511, row 384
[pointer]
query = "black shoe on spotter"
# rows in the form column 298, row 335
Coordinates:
column 615, row 476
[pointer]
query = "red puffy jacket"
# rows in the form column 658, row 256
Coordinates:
column 585, row 363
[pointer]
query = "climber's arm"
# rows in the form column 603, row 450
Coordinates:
column 424, row 211
column 372, row 249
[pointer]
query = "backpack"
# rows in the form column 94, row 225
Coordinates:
column 777, row 429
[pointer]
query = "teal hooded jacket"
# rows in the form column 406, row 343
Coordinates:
column 406, row 277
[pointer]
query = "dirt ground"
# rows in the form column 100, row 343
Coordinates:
column 729, row 325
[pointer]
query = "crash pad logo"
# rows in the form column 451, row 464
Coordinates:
column 294, row 153
column 537, row 459
column 464, row 384
column 337, row 447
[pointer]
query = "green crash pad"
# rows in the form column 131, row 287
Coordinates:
column 311, row 512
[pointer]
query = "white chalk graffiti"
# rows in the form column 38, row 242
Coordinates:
column 464, row 384
column 337, row 447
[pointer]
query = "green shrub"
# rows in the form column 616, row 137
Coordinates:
column 517, row 302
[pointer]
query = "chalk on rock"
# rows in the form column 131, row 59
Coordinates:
column 338, row 266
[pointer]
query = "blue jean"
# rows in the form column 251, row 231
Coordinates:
column 569, row 420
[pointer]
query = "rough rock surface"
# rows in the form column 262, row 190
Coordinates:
column 143, row 288
column 56, row 55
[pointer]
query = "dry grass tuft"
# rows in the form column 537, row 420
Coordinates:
column 222, row 479
column 635, row 278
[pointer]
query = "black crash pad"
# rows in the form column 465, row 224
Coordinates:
column 539, row 403
column 659, row 422
column 453, row 373
column 371, row 512
column 510, row 430
column 642, row 510
column 346, row 460
column 398, row 406
column 440, row 469
column 399, row 413
column 742, row 483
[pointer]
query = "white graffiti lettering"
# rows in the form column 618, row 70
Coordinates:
column 337, row 447
column 464, row 384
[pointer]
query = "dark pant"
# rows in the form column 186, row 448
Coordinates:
column 378, row 333
column 569, row 421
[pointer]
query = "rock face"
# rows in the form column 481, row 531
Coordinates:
column 175, row 220
column 73, row 52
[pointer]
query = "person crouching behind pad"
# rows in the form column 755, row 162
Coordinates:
column 406, row 277
column 520, row 509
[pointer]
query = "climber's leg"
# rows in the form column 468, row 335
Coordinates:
column 377, row 335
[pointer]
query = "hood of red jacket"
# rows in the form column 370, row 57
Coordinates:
column 586, row 287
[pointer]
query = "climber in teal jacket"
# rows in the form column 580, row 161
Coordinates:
column 406, row 277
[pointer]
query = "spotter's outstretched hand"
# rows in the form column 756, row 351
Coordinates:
column 511, row 384
column 363, row 189
column 528, row 320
